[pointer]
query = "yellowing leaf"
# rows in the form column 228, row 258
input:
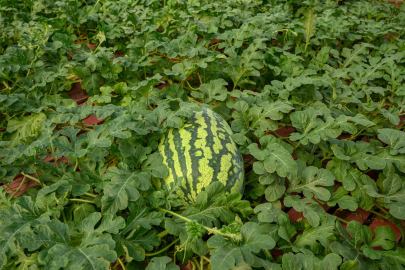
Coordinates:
column 24, row 127
column 309, row 26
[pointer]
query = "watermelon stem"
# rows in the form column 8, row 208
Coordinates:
column 33, row 178
column 211, row 230
column 83, row 201
column 121, row 263
column 162, row 234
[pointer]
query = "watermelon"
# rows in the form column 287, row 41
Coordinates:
column 202, row 151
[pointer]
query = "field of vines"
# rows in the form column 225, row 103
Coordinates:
column 313, row 91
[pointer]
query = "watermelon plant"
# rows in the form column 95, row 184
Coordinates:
column 227, row 134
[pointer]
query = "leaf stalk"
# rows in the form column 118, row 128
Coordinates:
column 32, row 178
column 19, row 188
column 90, row 195
column 80, row 200
column 211, row 230
column 122, row 264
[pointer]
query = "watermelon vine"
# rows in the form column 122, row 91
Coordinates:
column 149, row 134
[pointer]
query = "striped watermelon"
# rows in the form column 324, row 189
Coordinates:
column 202, row 151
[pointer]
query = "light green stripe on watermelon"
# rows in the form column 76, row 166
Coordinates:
column 181, row 161
column 214, row 128
column 172, row 147
column 226, row 163
column 206, row 172
column 162, row 151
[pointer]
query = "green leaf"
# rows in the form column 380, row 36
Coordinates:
column 322, row 234
column 394, row 258
column 124, row 187
column 290, row 261
column 309, row 261
column 25, row 262
column 359, row 190
column 197, row 246
column 81, row 211
column 268, row 212
column 91, row 81
column 73, row 147
column 310, row 209
column 162, row 263
column 312, row 129
column 274, row 111
column 355, row 55
column 214, row 90
column 340, row 197
column 225, row 258
column 154, row 164
column 310, row 181
column 359, row 234
column 305, row 121
column 135, row 245
column 216, row 241
column 390, row 160
column 213, row 205
column 93, row 169
column 394, row 138
column 111, row 224
column 260, row 118
column 144, row 88
column 97, row 138
column 393, row 192
column 17, row 220
column 350, row 265
column 258, row 262
column 78, row 182
column 396, row 209
column 275, row 158
column 275, row 190
column 242, row 266
column 141, row 216
column 359, row 239
column 254, row 240
column 384, row 237
column 371, row 253
column 93, row 248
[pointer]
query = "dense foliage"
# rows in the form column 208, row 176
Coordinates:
column 331, row 72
